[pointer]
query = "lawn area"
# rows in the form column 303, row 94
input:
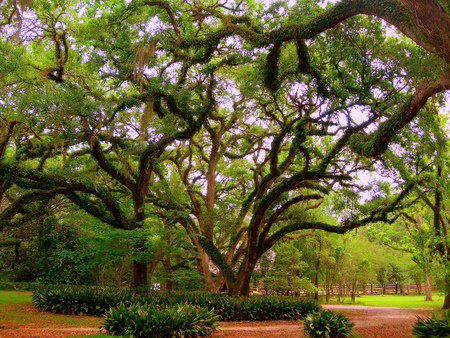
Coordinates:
column 393, row 300
column 13, row 297
column 16, row 311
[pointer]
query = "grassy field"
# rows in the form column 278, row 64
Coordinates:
column 392, row 300
column 11, row 297
column 15, row 308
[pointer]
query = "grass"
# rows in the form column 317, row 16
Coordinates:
column 12, row 297
column 392, row 300
column 15, row 309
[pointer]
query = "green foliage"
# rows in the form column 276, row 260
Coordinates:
column 19, row 286
column 327, row 324
column 147, row 320
column 81, row 300
column 59, row 261
column 50, row 252
column 287, row 272
column 96, row 301
column 129, row 110
column 436, row 326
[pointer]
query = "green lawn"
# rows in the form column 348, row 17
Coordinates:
column 13, row 309
column 392, row 300
column 12, row 297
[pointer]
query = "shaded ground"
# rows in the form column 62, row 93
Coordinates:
column 380, row 322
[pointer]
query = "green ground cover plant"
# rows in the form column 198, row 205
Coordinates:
column 148, row 320
column 438, row 325
column 327, row 324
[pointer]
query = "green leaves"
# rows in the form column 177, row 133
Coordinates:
column 327, row 324
column 149, row 321
column 436, row 326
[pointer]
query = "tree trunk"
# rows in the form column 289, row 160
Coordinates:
column 119, row 273
column 316, row 280
column 447, row 293
column 203, row 270
column 427, row 286
column 168, row 270
column 241, row 287
column 139, row 278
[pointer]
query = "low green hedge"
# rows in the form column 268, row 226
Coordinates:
column 82, row 300
column 96, row 301
column 19, row 286
column 148, row 320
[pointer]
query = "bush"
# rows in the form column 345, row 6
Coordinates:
column 82, row 300
column 436, row 326
column 150, row 321
column 18, row 286
column 96, row 301
column 327, row 324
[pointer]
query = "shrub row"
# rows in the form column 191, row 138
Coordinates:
column 96, row 301
column 19, row 286
column 152, row 322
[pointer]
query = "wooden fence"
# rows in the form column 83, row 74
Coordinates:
column 374, row 289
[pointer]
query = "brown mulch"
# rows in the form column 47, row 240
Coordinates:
column 369, row 322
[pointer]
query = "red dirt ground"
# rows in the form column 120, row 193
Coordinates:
column 369, row 322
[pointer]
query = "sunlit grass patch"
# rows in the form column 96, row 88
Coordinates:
column 11, row 297
column 15, row 307
column 395, row 300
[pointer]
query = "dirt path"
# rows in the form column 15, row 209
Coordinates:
column 369, row 321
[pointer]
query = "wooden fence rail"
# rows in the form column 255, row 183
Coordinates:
column 374, row 289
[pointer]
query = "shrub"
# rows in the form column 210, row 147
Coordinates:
column 97, row 301
column 147, row 321
column 436, row 326
column 327, row 324
column 81, row 300
column 18, row 286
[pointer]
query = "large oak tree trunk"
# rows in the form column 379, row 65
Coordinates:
column 241, row 287
column 139, row 278
column 203, row 269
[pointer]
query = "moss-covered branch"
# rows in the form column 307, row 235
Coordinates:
column 98, row 212
column 217, row 258
column 35, row 178
column 98, row 154
column 33, row 196
column 281, row 210
column 376, row 143
column 6, row 132
column 380, row 215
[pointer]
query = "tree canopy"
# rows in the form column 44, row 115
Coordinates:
column 233, row 120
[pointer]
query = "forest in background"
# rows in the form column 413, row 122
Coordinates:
column 214, row 144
